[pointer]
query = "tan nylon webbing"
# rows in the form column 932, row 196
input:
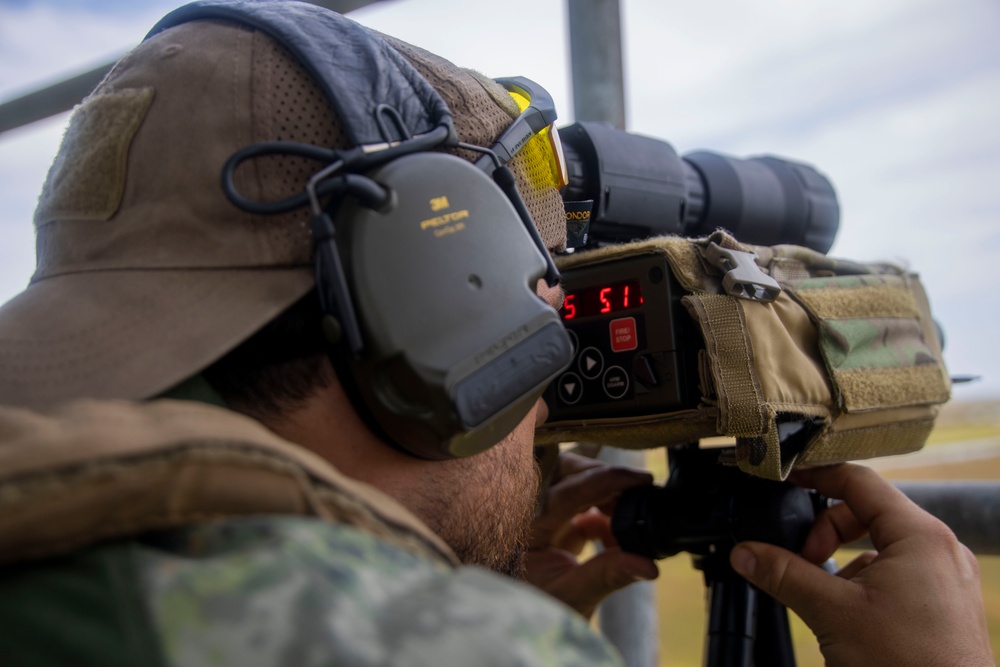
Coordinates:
column 686, row 263
column 786, row 270
column 739, row 389
column 860, row 302
column 866, row 443
column 761, row 456
column 682, row 255
column 870, row 388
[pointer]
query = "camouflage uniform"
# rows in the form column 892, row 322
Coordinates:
column 259, row 589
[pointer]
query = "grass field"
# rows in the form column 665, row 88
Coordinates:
column 680, row 591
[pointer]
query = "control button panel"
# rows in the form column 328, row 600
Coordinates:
column 636, row 346
column 602, row 369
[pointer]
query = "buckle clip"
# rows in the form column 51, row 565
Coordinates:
column 743, row 278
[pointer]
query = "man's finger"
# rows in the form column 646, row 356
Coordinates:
column 570, row 464
column 835, row 527
column 579, row 492
column 595, row 526
column 860, row 562
column 590, row 526
column 585, row 586
column 889, row 515
column 803, row 587
column 546, row 565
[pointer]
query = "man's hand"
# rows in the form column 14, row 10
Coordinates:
column 578, row 510
column 916, row 600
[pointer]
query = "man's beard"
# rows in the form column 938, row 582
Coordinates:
column 487, row 513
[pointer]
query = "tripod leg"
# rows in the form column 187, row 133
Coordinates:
column 731, row 619
column 773, row 645
column 745, row 627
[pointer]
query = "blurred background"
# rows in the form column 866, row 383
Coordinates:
column 897, row 102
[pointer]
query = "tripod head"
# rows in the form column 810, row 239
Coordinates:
column 705, row 508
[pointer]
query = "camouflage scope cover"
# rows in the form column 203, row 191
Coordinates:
column 847, row 349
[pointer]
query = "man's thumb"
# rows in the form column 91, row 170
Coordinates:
column 801, row 586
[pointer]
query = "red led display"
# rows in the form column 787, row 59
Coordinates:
column 601, row 299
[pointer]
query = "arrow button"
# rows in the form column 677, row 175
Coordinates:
column 570, row 388
column 591, row 363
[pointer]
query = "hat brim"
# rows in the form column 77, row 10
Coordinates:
column 132, row 334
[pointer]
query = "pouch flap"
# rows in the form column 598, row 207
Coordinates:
column 877, row 340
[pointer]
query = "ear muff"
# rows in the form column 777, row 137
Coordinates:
column 458, row 346
column 425, row 267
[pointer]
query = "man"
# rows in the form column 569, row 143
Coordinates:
column 177, row 532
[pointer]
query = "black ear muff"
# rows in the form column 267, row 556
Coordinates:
column 458, row 346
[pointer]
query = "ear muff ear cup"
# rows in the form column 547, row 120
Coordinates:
column 458, row 346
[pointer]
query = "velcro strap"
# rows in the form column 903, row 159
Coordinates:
column 736, row 383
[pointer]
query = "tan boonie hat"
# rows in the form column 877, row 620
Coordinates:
column 146, row 272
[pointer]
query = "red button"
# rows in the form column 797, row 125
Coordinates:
column 623, row 336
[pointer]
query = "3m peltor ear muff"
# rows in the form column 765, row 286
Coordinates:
column 425, row 266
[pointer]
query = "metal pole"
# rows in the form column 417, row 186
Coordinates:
column 50, row 101
column 970, row 509
column 595, row 38
column 63, row 96
column 628, row 618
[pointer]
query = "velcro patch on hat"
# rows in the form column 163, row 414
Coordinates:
column 87, row 179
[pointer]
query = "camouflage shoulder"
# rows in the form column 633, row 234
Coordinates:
column 292, row 590
column 475, row 612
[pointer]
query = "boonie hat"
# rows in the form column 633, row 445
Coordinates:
column 146, row 273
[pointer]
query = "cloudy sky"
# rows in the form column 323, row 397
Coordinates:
column 896, row 101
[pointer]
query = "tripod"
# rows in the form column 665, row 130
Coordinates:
column 705, row 508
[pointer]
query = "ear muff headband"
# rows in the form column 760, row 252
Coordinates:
column 322, row 41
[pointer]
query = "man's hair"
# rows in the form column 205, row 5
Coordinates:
column 278, row 368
